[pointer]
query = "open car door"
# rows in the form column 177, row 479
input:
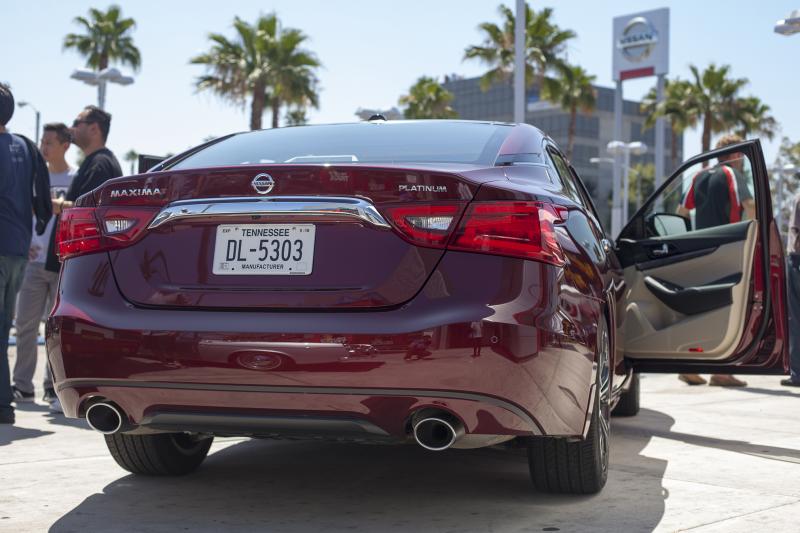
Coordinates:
column 704, row 271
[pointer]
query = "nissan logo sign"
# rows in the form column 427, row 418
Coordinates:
column 263, row 183
column 638, row 39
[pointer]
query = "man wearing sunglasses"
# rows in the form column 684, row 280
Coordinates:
column 89, row 133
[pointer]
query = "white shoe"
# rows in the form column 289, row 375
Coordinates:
column 55, row 406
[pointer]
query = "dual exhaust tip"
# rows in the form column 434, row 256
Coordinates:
column 436, row 430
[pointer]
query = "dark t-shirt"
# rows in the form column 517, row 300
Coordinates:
column 16, row 171
column 96, row 169
column 717, row 195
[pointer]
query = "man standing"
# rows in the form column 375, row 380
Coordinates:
column 38, row 284
column 24, row 189
column 793, row 289
column 89, row 133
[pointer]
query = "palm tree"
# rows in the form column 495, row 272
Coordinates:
column 640, row 185
column 107, row 39
column 573, row 90
column 675, row 106
column 545, row 44
column 789, row 152
column 427, row 99
column 264, row 62
column 296, row 117
column 752, row 116
column 131, row 156
column 293, row 78
column 713, row 96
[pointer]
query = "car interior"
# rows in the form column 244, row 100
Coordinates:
column 688, row 287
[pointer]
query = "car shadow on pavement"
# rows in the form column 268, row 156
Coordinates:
column 312, row 486
column 791, row 393
column 737, row 446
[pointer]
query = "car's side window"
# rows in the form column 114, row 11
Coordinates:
column 711, row 193
column 587, row 200
column 564, row 175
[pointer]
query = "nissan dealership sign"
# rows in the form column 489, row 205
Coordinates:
column 641, row 44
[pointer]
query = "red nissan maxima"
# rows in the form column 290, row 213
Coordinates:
column 440, row 282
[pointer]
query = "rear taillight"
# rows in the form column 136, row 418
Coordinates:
column 516, row 229
column 427, row 225
column 78, row 232
column 84, row 230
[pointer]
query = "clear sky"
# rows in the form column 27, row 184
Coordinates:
column 372, row 51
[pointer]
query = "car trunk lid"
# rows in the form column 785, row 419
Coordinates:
column 350, row 256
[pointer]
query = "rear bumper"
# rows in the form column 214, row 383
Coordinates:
column 510, row 354
column 370, row 414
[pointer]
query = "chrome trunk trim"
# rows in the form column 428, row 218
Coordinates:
column 323, row 207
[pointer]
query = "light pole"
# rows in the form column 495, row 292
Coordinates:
column 790, row 24
column 520, row 27
column 619, row 148
column 611, row 161
column 100, row 80
column 782, row 172
column 38, row 116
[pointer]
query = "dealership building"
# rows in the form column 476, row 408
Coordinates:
column 592, row 131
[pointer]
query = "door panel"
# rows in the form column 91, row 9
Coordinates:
column 694, row 325
column 703, row 271
column 669, row 249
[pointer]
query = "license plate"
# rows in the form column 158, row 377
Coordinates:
column 264, row 249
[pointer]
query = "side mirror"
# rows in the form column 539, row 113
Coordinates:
column 667, row 224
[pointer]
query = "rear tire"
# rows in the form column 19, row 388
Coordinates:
column 628, row 404
column 161, row 454
column 564, row 465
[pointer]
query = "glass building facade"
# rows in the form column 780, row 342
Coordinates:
column 592, row 132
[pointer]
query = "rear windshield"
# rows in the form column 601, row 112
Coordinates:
column 365, row 142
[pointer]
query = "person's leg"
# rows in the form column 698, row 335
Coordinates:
column 30, row 305
column 793, row 312
column 726, row 380
column 692, row 379
column 52, row 287
column 11, row 272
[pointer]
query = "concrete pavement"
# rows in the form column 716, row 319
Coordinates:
column 700, row 458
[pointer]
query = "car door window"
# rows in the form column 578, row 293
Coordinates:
column 586, row 200
column 708, row 194
column 565, row 176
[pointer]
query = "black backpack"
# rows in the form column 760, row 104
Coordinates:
column 40, row 190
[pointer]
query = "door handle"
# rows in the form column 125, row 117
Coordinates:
column 660, row 252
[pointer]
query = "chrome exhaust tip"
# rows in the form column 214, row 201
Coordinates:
column 105, row 418
column 437, row 432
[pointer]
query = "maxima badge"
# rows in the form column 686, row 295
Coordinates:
column 263, row 183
